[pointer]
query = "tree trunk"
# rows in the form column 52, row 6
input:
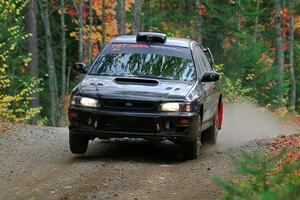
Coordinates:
column 137, row 21
column 198, row 22
column 256, row 30
column 291, row 56
column 90, row 31
column 103, row 25
column 68, row 79
column 239, row 4
column 121, row 17
column 280, row 56
column 50, row 62
column 80, row 28
column 63, row 63
column 32, row 44
column 148, row 24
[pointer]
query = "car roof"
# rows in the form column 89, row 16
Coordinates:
column 178, row 42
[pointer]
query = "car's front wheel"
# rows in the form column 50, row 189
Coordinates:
column 78, row 143
column 192, row 149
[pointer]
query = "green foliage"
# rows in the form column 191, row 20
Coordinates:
column 16, row 89
column 248, row 63
column 264, row 177
column 248, row 60
column 233, row 89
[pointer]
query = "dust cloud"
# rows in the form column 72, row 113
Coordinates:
column 245, row 122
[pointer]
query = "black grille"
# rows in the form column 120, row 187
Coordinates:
column 128, row 124
column 129, row 105
column 119, row 123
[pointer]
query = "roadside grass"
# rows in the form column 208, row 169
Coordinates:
column 270, row 175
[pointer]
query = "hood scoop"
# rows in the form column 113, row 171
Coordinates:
column 136, row 81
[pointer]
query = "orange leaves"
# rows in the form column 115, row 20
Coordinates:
column 72, row 12
column 285, row 14
column 267, row 61
column 285, row 47
column 233, row 40
column 291, row 143
column 243, row 19
column 202, row 10
column 226, row 43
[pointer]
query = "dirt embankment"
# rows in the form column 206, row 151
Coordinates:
column 36, row 163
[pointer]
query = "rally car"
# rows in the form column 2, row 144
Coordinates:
column 147, row 86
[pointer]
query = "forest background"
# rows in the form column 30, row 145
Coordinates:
column 255, row 44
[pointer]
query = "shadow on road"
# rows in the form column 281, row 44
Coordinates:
column 136, row 151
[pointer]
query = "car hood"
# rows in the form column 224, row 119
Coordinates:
column 109, row 88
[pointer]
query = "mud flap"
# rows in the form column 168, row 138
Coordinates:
column 220, row 115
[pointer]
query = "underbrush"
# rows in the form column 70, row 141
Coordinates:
column 267, row 176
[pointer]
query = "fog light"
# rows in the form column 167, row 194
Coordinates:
column 185, row 121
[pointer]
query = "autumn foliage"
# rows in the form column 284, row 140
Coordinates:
column 289, row 143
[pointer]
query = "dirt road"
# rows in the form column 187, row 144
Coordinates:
column 36, row 163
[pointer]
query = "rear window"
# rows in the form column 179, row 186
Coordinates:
column 143, row 60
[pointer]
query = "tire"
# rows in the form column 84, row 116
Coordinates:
column 210, row 135
column 78, row 143
column 192, row 149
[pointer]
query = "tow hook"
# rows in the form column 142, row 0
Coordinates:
column 95, row 124
column 158, row 127
column 92, row 123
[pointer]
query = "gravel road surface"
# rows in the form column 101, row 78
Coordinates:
column 36, row 163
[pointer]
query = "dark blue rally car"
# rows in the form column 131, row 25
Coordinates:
column 148, row 86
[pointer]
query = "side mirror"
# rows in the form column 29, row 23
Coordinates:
column 80, row 67
column 211, row 76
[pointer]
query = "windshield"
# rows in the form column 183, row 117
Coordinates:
column 146, row 61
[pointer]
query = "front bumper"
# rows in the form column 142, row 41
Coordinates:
column 97, row 123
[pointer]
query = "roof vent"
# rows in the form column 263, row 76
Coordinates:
column 151, row 37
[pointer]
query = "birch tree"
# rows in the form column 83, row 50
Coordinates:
column 239, row 10
column 80, row 28
column 256, row 29
column 50, row 62
column 137, row 20
column 63, row 63
column 90, row 31
column 103, row 25
column 121, row 17
column 291, row 55
column 279, row 50
column 198, row 22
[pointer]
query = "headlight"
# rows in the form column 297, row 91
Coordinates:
column 175, row 107
column 85, row 102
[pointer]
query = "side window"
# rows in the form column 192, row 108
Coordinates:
column 206, row 62
column 200, row 64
